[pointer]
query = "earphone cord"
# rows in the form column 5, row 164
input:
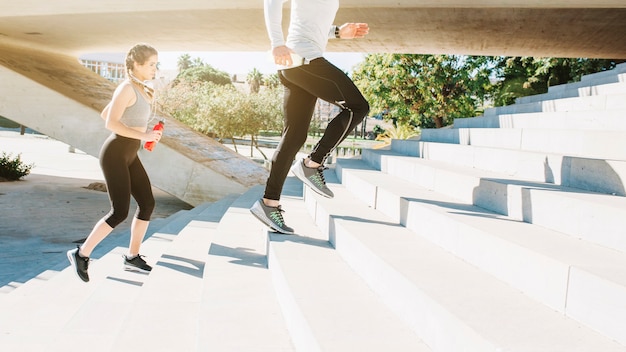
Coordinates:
column 148, row 90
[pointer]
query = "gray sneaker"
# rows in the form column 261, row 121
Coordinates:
column 271, row 217
column 312, row 177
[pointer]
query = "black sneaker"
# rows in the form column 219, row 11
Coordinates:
column 80, row 264
column 312, row 177
column 136, row 263
column 271, row 216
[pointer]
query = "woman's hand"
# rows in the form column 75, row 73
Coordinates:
column 153, row 136
column 282, row 56
column 353, row 30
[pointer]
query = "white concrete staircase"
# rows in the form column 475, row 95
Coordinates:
column 434, row 245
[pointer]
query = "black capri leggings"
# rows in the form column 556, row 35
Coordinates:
column 303, row 86
column 125, row 176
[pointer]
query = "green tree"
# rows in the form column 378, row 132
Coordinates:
column 424, row 90
column 266, row 114
column 231, row 113
column 184, row 102
column 223, row 111
column 205, row 73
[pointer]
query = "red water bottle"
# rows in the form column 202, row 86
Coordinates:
column 158, row 127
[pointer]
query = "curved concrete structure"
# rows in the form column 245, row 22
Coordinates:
column 55, row 95
column 44, row 87
column 560, row 28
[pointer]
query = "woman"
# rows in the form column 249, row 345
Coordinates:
column 127, row 117
column 307, row 76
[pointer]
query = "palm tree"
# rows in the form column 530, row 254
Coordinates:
column 254, row 79
column 197, row 62
column 271, row 81
column 184, row 62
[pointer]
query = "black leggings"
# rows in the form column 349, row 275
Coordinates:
column 303, row 86
column 125, row 176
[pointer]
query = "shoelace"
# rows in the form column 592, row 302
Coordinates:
column 277, row 215
column 138, row 257
column 85, row 259
column 320, row 172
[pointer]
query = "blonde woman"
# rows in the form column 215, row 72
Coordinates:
column 127, row 117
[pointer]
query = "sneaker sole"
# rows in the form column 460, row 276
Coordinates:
column 70, row 257
column 135, row 269
column 296, row 171
column 262, row 218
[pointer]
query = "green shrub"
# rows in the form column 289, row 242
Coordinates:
column 6, row 123
column 402, row 131
column 13, row 169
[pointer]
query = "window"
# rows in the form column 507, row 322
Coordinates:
column 114, row 72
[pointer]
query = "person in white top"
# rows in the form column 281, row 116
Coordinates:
column 306, row 76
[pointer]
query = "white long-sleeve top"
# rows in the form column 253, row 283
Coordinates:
column 310, row 25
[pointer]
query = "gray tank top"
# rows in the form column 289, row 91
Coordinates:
column 138, row 114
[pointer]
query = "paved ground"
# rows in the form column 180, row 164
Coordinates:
column 43, row 214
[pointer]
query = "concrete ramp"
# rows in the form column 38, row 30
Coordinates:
column 55, row 95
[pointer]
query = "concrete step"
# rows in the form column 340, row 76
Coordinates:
column 47, row 269
column 99, row 319
column 586, row 215
column 179, row 220
column 591, row 84
column 619, row 69
column 608, row 145
column 55, row 260
column 578, row 120
column 546, row 265
column 37, row 280
column 598, row 93
column 35, row 319
column 438, row 294
column 608, row 85
column 326, row 305
column 596, row 175
column 588, row 103
column 167, row 307
column 118, row 285
column 239, row 310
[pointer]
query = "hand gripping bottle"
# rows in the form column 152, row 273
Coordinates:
column 158, row 127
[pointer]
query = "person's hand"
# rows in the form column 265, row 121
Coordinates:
column 153, row 136
column 282, row 56
column 353, row 30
